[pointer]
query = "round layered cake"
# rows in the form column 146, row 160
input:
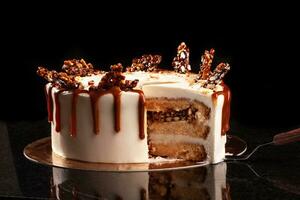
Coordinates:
column 143, row 112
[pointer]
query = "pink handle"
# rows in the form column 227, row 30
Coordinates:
column 287, row 137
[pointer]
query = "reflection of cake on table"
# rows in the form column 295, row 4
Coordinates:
column 118, row 117
column 206, row 183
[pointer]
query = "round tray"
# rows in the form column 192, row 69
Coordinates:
column 40, row 152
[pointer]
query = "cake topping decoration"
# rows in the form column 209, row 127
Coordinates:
column 78, row 67
column 115, row 78
column 206, row 61
column 59, row 79
column 147, row 62
column 211, row 78
column 69, row 79
column 217, row 75
column 181, row 62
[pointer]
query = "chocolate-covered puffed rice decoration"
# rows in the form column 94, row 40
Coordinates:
column 147, row 63
column 181, row 62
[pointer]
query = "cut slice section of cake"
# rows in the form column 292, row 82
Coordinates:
column 184, row 123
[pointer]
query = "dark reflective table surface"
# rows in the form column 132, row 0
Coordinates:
column 272, row 173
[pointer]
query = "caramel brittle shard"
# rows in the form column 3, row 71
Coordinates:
column 68, row 81
column 147, row 62
column 46, row 74
column 115, row 78
column 206, row 61
column 181, row 62
column 59, row 79
column 211, row 79
column 78, row 67
column 217, row 75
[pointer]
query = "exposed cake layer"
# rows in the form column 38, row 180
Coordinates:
column 196, row 114
column 187, row 117
column 188, row 151
column 164, row 104
column 179, row 128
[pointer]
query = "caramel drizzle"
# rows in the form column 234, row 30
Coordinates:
column 50, row 107
column 116, row 92
column 57, row 111
column 226, row 106
column 49, row 103
column 141, row 113
column 94, row 97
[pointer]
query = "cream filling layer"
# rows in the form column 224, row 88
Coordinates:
column 171, row 139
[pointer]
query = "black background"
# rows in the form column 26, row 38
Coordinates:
column 260, row 43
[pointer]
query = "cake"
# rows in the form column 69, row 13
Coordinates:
column 206, row 183
column 132, row 115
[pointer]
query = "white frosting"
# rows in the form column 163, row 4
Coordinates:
column 169, row 138
column 149, row 78
column 107, row 146
column 85, row 80
column 126, row 146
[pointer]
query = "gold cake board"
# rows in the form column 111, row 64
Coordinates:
column 40, row 152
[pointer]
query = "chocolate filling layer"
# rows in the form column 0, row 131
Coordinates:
column 188, row 114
